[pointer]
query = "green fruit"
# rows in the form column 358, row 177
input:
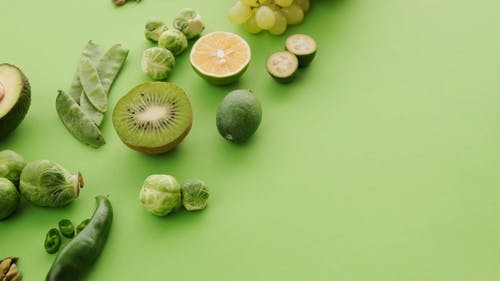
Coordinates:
column 9, row 198
column 282, row 66
column 303, row 46
column 153, row 117
column 15, row 98
column 239, row 115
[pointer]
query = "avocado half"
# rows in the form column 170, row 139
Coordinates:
column 15, row 98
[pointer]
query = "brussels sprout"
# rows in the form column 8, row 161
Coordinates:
column 48, row 184
column 154, row 28
column 9, row 198
column 194, row 195
column 157, row 62
column 173, row 40
column 189, row 22
column 11, row 165
column 160, row 194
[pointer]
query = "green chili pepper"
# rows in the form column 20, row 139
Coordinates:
column 66, row 228
column 82, row 225
column 52, row 241
column 77, row 257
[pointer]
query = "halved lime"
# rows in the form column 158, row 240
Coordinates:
column 303, row 46
column 282, row 66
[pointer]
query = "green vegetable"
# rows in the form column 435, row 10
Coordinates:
column 173, row 40
column 92, row 85
column 78, row 256
column 189, row 22
column 154, row 28
column 66, row 228
column 48, row 184
column 160, row 194
column 194, row 195
column 82, row 225
column 77, row 122
column 11, row 165
column 157, row 62
column 52, row 241
column 9, row 198
column 93, row 52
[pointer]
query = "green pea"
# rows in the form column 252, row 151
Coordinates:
column 77, row 122
column 92, row 85
column 82, row 225
column 66, row 228
column 93, row 52
column 52, row 241
column 110, row 65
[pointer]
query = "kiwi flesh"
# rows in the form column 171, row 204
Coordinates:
column 153, row 117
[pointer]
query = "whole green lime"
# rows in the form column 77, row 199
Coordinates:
column 239, row 115
column 9, row 198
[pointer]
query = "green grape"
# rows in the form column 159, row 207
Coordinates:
column 239, row 13
column 293, row 14
column 304, row 4
column 284, row 3
column 262, row 2
column 251, row 25
column 279, row 26
column 264, row 17
column 250, row 3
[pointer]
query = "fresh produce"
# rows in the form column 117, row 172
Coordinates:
column 53, row 241
column 78, row 256
column 9, row 270
column 173, row 40
column 282, row 66
column 157, row 63
column 121, row 2
column 15, row 98
column 11, row 165
column 82, row 109
column 160, row 194
column 189, row 22
column 154, row 28
column 239, row 115
column 66, row 228
column 48, row 184
column 82, row 225
column 153, row 117
column 271, row 15
column 194, row 195
column 220, row 57
column 9, row 198
column 303, row 46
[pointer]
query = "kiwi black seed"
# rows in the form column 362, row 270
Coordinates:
column 153, row 117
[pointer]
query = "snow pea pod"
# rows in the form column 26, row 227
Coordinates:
column 78, row 256
column 93, row 113
column 110, row 65
column 77, row 122
column 92, row 85
column 93, row 52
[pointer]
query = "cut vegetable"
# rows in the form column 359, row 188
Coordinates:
column 220, row 57
column 282, row 66
column 15, row 98
column 303, row 46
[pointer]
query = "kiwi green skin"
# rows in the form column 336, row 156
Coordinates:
column 10, row 121
column 161, row 149
column 221, row 81
column 239, row 116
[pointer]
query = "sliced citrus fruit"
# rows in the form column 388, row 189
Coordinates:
column 220, row 57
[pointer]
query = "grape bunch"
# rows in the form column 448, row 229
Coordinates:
column 271, row 15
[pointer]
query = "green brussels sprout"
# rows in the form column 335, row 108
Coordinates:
column 154, row 28
column 194, row 195
column 189, row 22
column 173, row 40
column 11, row 165
column 157, row 62
column 9, row 198
column 48, row 184
column 160, row 194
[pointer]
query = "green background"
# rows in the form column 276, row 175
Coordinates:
column 380, row 162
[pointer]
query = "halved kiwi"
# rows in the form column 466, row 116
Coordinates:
column 153, row 117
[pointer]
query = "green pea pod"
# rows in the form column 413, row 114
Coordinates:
column 92, row 85
column 93, row 52
column 52, row 241
column 66, row 228
column 82, row 225
column 78, row 256
column 77, row 122
column 110, row 65
column 93, row 113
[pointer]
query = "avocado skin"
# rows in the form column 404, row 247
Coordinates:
column 11, row 120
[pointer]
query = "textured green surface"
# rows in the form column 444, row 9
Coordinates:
column 379, row 162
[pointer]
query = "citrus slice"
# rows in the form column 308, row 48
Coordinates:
column 220, row 57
